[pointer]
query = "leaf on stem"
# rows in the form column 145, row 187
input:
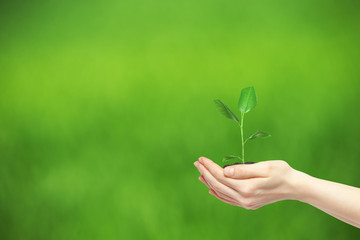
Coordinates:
column 247, row 100
column 230, row 157
column 225, row 110
column 258, row 134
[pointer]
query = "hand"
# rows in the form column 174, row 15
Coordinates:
column 250, row 186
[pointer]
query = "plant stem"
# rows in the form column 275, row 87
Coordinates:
column 242, row 138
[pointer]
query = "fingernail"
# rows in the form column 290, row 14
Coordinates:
column 201, row 159
column 229, row 171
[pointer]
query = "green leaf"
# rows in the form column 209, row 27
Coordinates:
column 258, row 134
column 230, row 157
column 247, row 100
column 225, row 110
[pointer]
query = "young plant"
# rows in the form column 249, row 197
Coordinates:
column 247, row 102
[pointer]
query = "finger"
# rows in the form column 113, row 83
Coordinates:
column 213, row 183
column 202, row 179
column 218, row 172
column 212, row 192
column 243, row 171
column 235, row 184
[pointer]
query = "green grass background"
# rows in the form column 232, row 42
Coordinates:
column 105, row 105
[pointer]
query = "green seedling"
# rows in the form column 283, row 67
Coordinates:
column 247, row 102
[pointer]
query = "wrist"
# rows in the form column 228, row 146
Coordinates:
column 299, row 185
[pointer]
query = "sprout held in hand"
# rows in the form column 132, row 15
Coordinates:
column 247, row 101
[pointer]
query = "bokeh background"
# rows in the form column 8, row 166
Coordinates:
column 105, row 105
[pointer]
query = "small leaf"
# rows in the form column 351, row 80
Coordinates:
column 230, row 157
column 258, row 134
column 247, row 100
column 225, row 110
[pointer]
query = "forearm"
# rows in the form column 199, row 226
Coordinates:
column 339, row 200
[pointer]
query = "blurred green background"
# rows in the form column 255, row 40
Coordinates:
column 105, row 105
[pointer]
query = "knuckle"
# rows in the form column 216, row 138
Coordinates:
column 239, row 200
column 221, row 195
column 255, row 207
column 215, row 185
column 282, row 163
column 247, row 203
column 268, row 167
column 239, row 172
column 247, row 191
column 281, row 166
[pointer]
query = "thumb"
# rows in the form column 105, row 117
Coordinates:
column 242, row 171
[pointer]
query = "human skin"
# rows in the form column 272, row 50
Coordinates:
column 252, row 186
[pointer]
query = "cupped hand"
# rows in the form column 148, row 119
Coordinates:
column 250, row 186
